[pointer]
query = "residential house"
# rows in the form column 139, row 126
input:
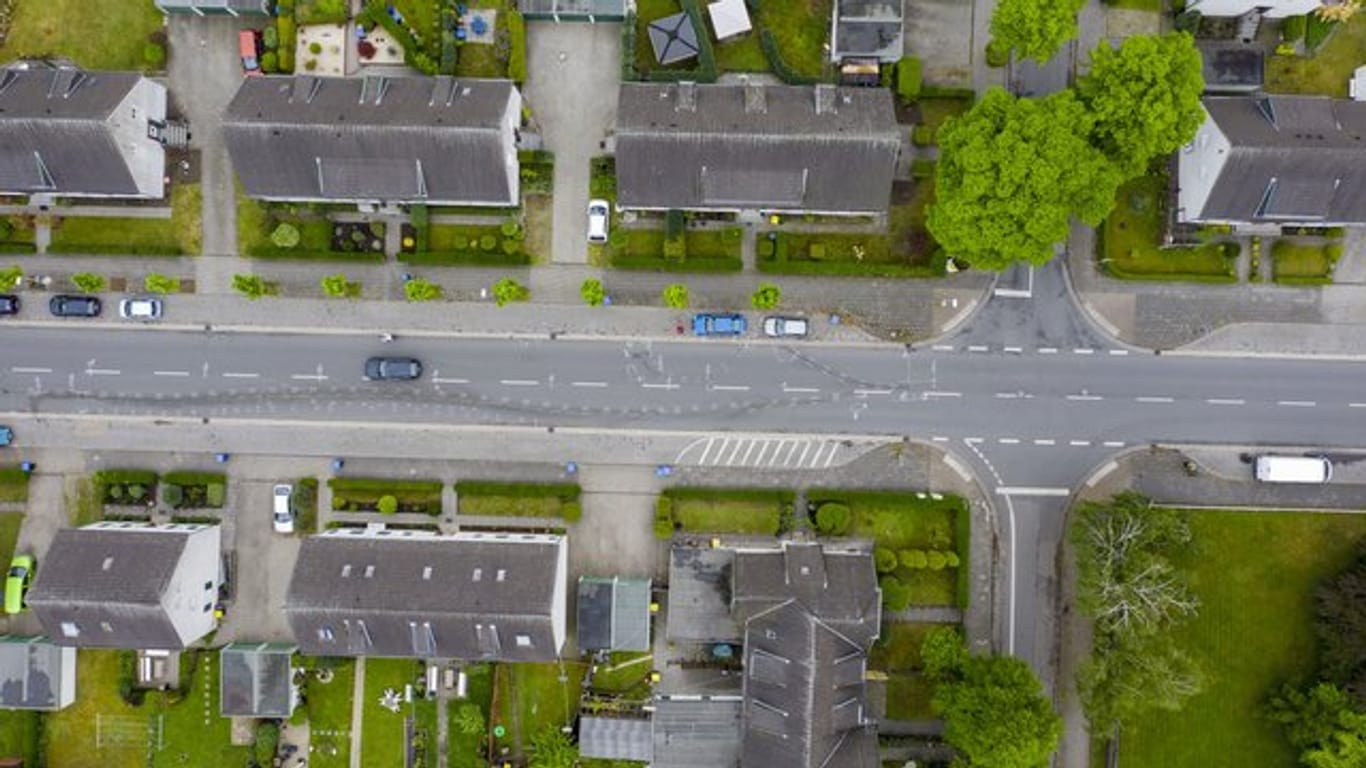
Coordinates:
column 75, row 133
column 416, row 594
column 1275, row 160
column 376, row 140
column 806, row 615
column 1272, row 9
column 127, row 585
column 614, row 614
column 216, row 7
column 36, row 674
column 734, row 148
column 256, row 680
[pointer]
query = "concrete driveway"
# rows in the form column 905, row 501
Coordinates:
column 264, row 563
column 573, row 73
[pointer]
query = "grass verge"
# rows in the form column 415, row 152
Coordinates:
column 1255, row 574
column 13, row 484
column 730, row 510
column 175, row 236
column 477, row 497
column 1299, row 263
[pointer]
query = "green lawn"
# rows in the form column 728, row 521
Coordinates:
column 897, row 652
column 20, row 735
column 191, row 730
column 362, row 494
column 1327, row 71
column 741, row 54
column 901, row 520
column 517, row 499
column 1304, row 263
column 19, row 238
column 1130, row 239
column 801, row 29
column 715, row 250
column 10, row 522
column 539, row 214
column 487, row 59
column 382, row 730
column 724, row 510
column 329, row 715
column 1255, row 573
column 624, row 674
column 544, row 695
column 177, row 235
column 934, row 112
column 111, row 38
column 466, row 750
column 13, row 484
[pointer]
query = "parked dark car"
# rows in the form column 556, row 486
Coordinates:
column 9, row 305
column 392, row 369
column 75, row 306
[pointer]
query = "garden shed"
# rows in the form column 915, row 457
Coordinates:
column 674, row 39
column 729, row 18
column 35, row 674
column 257, row 680
column 614, row 614
column 616, row 738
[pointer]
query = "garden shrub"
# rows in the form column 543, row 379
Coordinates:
column 922, row 135
column 1292, row 28
column 664, row 517
column 908, row 78
column 571, row 511
column 832, row 518
column 884, row 560
column 270, row 38
column 592, row 292
column 285, row 235
column 895, row 594
column 270, row 62
column 267, row 741
column 914, row 559
column 173, row 495
column 215, row 494
column 517, row 45
column 153, row 55
column 935, row 560
column 315, row 48
column 88, row 282
column 488, row 243
column 675, row 296
column 387, row 505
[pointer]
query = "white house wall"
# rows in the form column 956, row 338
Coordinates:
column 1200, row 162
column 145, row 156
column 66, row 689
column 558, row 606
column 512, row 120
column 187, row 594
column 1277, row 9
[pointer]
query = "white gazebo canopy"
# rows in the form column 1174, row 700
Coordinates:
column 729, row 18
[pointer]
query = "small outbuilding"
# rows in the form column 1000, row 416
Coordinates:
column 674, row 39
column 614, row 614
column 616, row 738
column 36, row 674
column 729, row 18
column 257, row 680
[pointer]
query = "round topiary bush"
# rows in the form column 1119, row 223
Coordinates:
column 832, row 519
column 488, row 242
column 315, row 48
column 387, row 505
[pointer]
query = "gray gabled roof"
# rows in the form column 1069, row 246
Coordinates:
column 837, row 584
column 32, row 672
column 373, row 138
column 794, row 148
column 1292, row 158
column 54, row 131
column 109, row 582
column 696, row 733
column 805, row 703
column 256, row 680
column 615, row 738
column 405, row 594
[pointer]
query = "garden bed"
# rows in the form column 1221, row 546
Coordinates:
column 843, row 254
column 706, row 250
column 469, row 244
column 905, row 522
column 318, row 238
column 727, row 510
column 1129, row 243
column 126, row 487
column 476, row 497
column 304, row 505
column 361, row 494
column 191, row 490
column 1304, row 263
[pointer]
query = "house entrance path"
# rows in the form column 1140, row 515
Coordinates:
column 573, row 73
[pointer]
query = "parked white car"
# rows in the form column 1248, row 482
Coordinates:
column 598, row 211
column 140, row 309
column 283, row 518
column 777, row 327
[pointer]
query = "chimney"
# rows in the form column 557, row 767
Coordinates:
column 756, row 103
column 687, row 97
column 825, row 99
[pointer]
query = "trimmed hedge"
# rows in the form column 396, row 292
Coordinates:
column 125, row 486
column 121, row 249
column 194, row 489
column 517, row 45
column 908, row 78
column 661, row 264
column 361, row 494
column 294, row 254
column 473, row 257
column 733, row 504
column 479, row 497
column 946, row 92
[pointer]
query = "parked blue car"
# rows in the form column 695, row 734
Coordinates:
column 711, row 324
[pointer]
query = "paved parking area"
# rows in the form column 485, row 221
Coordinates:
column 264, row 561
column 940, row 33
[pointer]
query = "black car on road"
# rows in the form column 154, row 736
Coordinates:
column 392, row 369
column 9, row 305
column 75, row 306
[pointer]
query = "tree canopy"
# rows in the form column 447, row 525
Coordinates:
column 1323, row 725
column 1035, row 29
column 1144, row 97
column 1012, row 173
column 1340, row 625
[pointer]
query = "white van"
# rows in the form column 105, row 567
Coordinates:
column 1293, row 469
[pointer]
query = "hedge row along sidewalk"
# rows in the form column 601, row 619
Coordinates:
column 477, row 497
column 368, row 494
column 723, row 510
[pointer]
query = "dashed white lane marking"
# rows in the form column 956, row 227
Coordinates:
column 241, row 375
column 1044, row 441
column 170, row 373
column 801, row 390
column 1083, row 351
column 1155, row 399
column 519, row 382
column 1007, row 490
column 977, row 348
column 730, row 387
column 1113, row 444
column 308, row 377
column 1014, row 350
column 1119, row 352
column 441, row 380
column 1008, row 441
column 1007, row 395
column 102, row 372
column 867, row 392
column 943, row 394
column 1225, row 401
column 1079, row 443
column 1297, row 403
column 939, row 439
column 649, row 385
column 942, row 347
column 22, row 369
column 592, row 384
column 1085, row 397
column 972, row 440
column 1356, row 405
column 1048, row 350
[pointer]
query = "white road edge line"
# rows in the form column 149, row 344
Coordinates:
column 1356, row 405
column 1015, row 490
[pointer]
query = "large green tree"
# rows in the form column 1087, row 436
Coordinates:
column 1323, row 725
column 994, row 709
column 1341, row 628
column 1144, row 97
column 1034, row 29
column 1011, row 175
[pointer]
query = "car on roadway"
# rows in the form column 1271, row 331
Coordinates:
column 719, row 324
column 282, row 517
column 6, row 436
column 9, row 304
column 779, row 327
column 598, row 211
column 17, row 582
column 392, row 369
column 65, row 305
column 249, row 48
column 141, row 308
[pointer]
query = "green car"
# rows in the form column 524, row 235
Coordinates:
column 16, row 584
